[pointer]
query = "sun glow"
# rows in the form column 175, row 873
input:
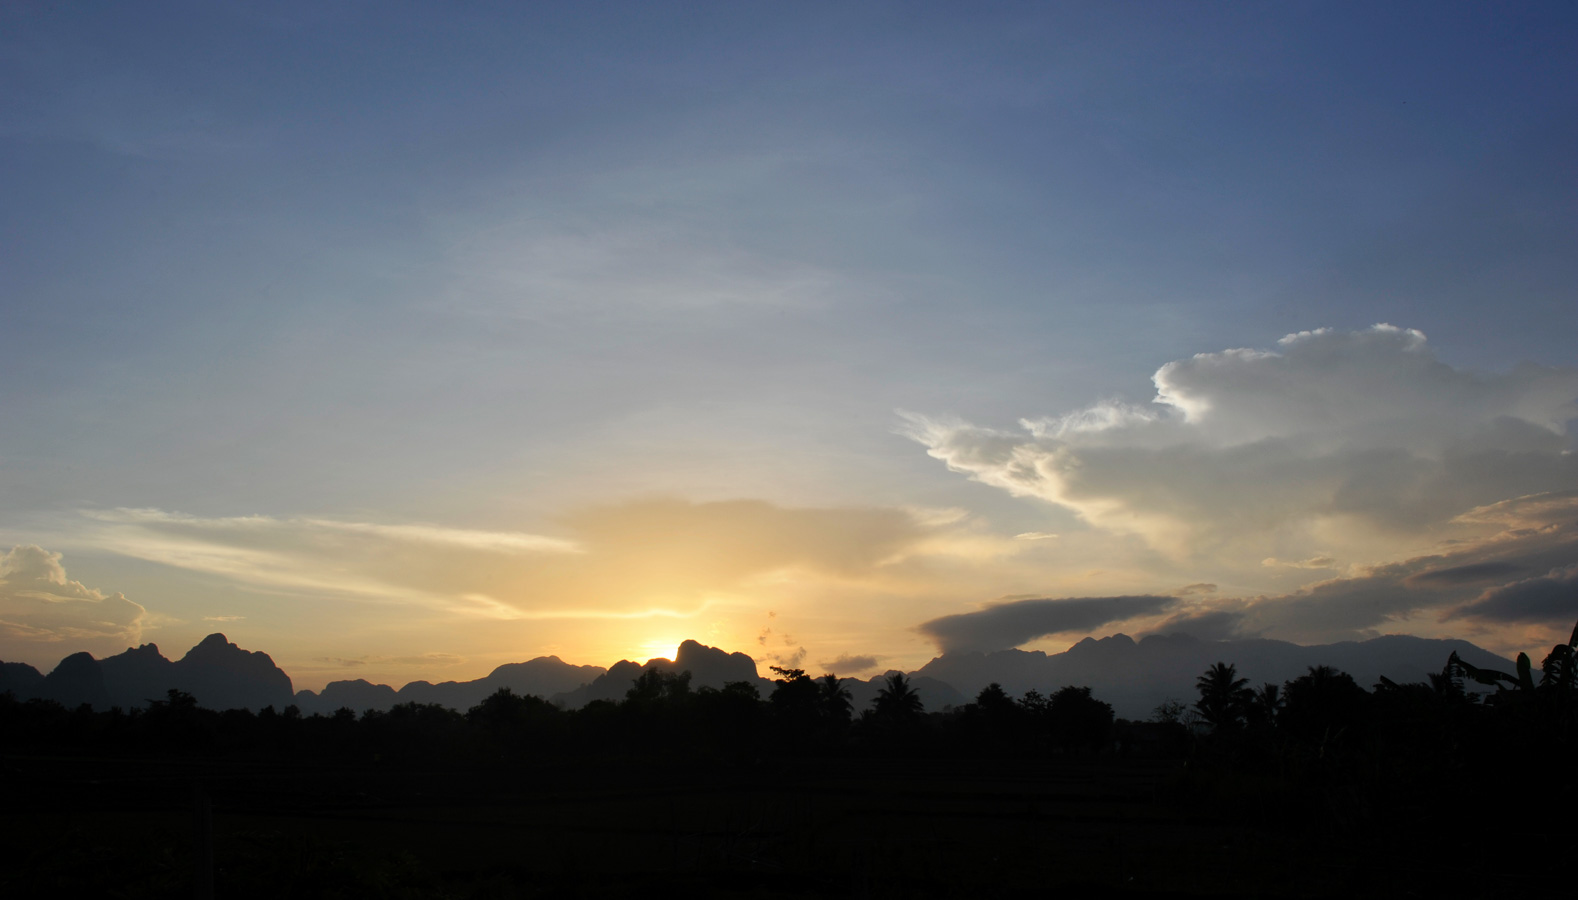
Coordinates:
column 666, row 648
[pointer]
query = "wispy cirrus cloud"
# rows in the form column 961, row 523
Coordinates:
column 422, row 660
column 634, row 560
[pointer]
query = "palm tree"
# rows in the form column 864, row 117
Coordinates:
column 897, row 700
column 1224, row 697
column 835, row 700
column 1265, row 704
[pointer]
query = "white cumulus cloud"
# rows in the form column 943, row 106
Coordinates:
column 38, row 602
column 1330, row 441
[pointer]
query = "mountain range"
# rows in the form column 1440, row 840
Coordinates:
column 1134, row 676
column 1137, row 676
column 218, row 673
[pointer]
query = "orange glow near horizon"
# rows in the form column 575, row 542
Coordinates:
column 664, row 647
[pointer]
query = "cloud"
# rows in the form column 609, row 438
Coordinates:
column 499, row 541
column 422, row 659
column 1207, row 625
column 38, row 602
column 1550, row 599
column 1530, row 511
column 1005, row 625
column 425, row 660
column 1472, row 573
column 732, row 539
column 786, row 660
column 1472, row 580
column 624, row 265
column 849, row 664
column 1345, row 434
column 634, row 560
column 1314, row 562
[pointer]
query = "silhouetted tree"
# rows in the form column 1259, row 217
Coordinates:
column 795, row 696
column 796, row 709
column 509, row 719
column 1559, row 669
column 834, row 700
column 1224, row 697
column 730, row 719
column 835, row 709
column 897, row 701
column 1323, row 705
column 1449, row 682
column 994, row 701
column 176, row 703
column 1078, row 720
column 654, row 686
column 1166, row 732
column 994, row 723
column 1169, row 712
column 1264, row 705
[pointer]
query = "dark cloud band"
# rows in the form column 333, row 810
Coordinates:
column 1551, row 598
column 1011, row 624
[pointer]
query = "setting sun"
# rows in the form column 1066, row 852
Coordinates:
column 659, row 648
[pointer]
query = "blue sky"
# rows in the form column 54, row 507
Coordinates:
column 506, row 269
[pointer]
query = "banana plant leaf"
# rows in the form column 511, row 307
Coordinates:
column 1525, row 672
column 1490, row 677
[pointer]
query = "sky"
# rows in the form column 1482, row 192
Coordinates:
column 404, row 340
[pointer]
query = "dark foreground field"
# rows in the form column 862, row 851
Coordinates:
column 118, row 828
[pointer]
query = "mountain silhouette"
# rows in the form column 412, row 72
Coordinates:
column 358, row 694
column 545, row 676
column 138, row 675
column 1133, row 676
column 223, row 676
column 1136, row 676
column 77, row 680
column 217, row 673
column 21, row 679
column 708, row 667
column 935, row 694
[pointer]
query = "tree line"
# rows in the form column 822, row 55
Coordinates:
column 1320, row 727
column 661, row 716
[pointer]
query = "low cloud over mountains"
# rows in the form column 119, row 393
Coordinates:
column 1009, row 624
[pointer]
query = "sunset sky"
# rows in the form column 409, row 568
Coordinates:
column 404, row 340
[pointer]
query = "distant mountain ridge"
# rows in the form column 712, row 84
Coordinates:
column 1133, row 676
column 218, row 673
column 708, row 667
column 545, row 676
column 1136, row 676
